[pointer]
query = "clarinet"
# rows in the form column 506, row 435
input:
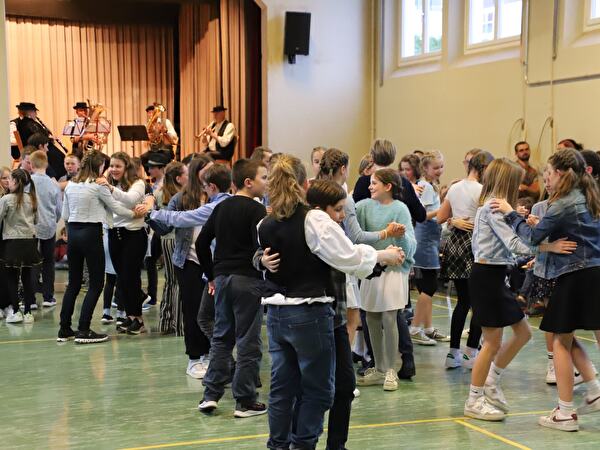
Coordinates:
column 54, row 140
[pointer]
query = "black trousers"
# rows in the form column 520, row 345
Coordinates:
column 206, row 313
column 85, row 244
column 110, row 290
column 191, row 286
column 151, row 270
column 4, row 299
column 46, row 247
column 12, row 281
column 459, row 316
column 127, row 250
column 345, row 383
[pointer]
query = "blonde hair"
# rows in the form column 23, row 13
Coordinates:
column 39, row 159
column 285, row 193
column 427, row 159
column 130, row 174
column 501, row 180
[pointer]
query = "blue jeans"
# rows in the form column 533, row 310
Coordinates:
column 238, row 318
column 302, row 348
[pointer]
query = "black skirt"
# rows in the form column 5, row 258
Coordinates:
column 17, row 253
column 494, row 304
column 456, row 256
column 575, row 303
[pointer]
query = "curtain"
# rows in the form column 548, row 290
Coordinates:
column 55, row 63
column 200, row 70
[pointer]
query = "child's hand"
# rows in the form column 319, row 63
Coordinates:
column 211, row 288
column 561, row 246
column 270, row 262
column 532, row 220
column 501, row 205
column 140, row 210
column 391, row 256
column 462, row 224
column 395, row 229
column 418, row 189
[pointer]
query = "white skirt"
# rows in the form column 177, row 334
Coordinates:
column 352, row 292
column 385, row 293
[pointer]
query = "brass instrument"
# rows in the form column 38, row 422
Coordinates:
column 156, row 130
column 98, row 139
column 204, row 132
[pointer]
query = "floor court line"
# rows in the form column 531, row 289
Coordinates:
column 492, row 435
column 459, row 420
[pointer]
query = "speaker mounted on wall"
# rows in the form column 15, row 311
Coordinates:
column 297, row 34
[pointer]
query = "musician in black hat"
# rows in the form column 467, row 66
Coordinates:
column 79, row 124
column 29, row 125
column 219, row 138
column 16, row 143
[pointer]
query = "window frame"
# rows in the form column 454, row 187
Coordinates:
column 589, row 23
column 496, row 43
column 424, row 57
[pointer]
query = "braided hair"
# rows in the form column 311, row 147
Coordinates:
column 331, row 162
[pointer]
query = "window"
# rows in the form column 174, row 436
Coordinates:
column 594, row 9
column 592, row 15
column 493, row 21
column 421, row 28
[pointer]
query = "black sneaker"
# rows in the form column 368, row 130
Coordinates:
column 106, row 319
column 408, row 368
column 136, row 327
column 365, row 366
column 90, row 337
column 243, row 410
column 123, row 324
column 65, row 334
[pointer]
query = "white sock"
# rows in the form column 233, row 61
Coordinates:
column 593, row 388
column 429, row 330
column 415, row 330
column 455, row 352
column 121, row 313
column 475, row 392
column 106, row 311
column 494, row 375
column 472, row 352
column 565, row 409
column 191, row 362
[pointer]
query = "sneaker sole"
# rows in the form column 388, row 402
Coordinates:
column 137, row 332
column 106, row 321
column 485, row 417
column 425, row 343
column 390, row 388
column 91, row 341
column 65, row 339
column 369, row 383
column 560, row 426
column 245, row 414
column 208, row 409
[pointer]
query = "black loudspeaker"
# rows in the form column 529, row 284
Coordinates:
column 297, row 34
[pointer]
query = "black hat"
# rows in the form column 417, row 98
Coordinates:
column 80, row 105
column 158, row 159
column 150, row 108
column 219, row 108
column 26, row 106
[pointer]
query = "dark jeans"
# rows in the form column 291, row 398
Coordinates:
column 191, row 286
column 345, row 383
column 110, row 291
column 46, row 247
column 12, row 281
column 151, row 270
column 301, row 344
column 85, row 244
column 238, row 317
column 459, row 316
column 206, row 313
column 4, row 299
column 127, row 250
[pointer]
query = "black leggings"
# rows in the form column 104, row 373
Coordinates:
column 427, row 282
column 459, row 317
column 12, row 283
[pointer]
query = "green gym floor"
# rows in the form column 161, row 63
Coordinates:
column 133, row 393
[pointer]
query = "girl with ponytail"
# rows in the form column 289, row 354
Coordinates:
column 573, row 213
column 301, row 249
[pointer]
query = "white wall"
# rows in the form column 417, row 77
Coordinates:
column 325, row 98
column 466, row 101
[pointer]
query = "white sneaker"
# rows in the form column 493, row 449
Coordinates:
column 553, row 421
column 420, row 338
column 356, row 393
column 15, row 317
column 371, row 377
column 590, row 405
column 468, row 360
column 496, row 397
column 550, row 373
column 49, row 303
column 28, row 318
column 1, row 314
column 196, row 370
column 207, row 406
column 452, row 362
column 482, row 409
column 33, row 306
column 391, row 381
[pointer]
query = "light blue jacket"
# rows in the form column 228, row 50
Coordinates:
column 567, row 217
column 494, row 242
column 49, row 205
column 164, row 220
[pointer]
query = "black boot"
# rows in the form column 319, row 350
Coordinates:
column 408, row 369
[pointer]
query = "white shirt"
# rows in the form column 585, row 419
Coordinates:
column 13, row 130
column 224, row 140
column 464, row 198
column 91, row 203
column 327, row 240
column 134, row 196
column 170, row 130
column 192, row 255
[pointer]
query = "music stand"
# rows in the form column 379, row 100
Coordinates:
column 74, row 128
column 133, row 134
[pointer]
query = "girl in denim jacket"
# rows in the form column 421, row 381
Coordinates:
column 573, row 212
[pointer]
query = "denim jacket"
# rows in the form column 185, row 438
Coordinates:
column 163, row 221
column 494, row 242
column 566, row 217
column 539, row 268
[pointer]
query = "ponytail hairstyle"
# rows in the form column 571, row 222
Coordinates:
column 130, row 175
column 91, row 163
column 426, row 160
column 390, row 176
column 22, row 180
column 572, row 164
column 324, row 193
column 331, row 163
column 479, row 162
column 365, row 164
column 170, row 185
column 285, row 193
column 414, row 162
column 383, row 152
column 193, row 193
column 501, row 180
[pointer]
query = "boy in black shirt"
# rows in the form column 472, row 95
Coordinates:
column 236, row 284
